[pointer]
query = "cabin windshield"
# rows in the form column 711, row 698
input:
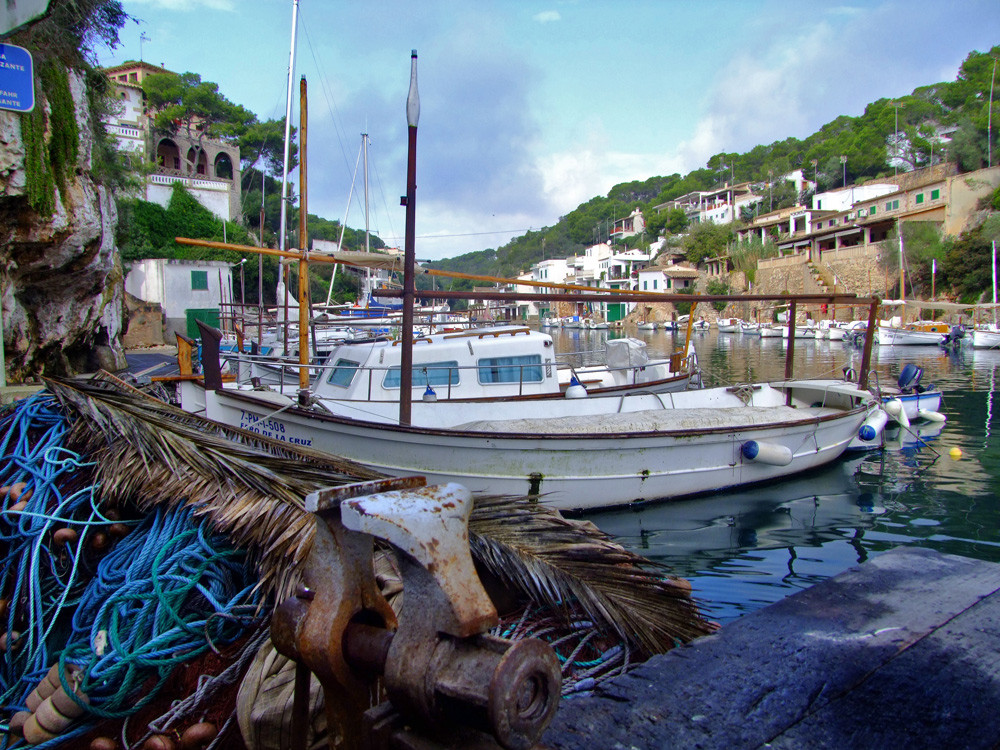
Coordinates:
column 525, row 369
column 343, row 372
column 425, row 374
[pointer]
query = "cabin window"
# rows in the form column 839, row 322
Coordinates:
column 343, row 373
column 526, row 369
column 425, row 374
column 199, row 280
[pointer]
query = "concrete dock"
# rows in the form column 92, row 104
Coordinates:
column 900, row 652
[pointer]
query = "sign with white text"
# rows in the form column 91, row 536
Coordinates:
column 17, row 84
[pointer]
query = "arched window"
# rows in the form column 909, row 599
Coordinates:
column 168, row 155
column 223, row 167
column 201, row 167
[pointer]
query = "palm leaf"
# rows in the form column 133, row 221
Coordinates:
column 252, row 488
column 556, row 561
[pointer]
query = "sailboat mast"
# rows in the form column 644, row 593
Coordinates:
column 902, row 270
column 368, row 271
column 409, row 249
column 283, row 267
column 994, row 282
column 288, row 127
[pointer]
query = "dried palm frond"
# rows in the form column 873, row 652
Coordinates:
column 252, row 489
column 556, row 561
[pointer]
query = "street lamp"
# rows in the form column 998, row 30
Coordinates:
column 843, row 160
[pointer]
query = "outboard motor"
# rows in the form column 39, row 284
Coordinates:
column 909, row 379
column 954, row 336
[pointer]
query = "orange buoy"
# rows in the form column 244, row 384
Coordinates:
column 197, row 736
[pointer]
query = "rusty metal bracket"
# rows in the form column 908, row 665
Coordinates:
column 450, row 683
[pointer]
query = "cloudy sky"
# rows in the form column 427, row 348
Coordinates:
column 530, row 107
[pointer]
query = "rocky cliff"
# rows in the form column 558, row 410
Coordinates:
column 60, row 274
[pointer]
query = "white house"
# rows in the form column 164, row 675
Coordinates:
column 187, row 290
column 652, row 280
column 209, row 169
column 844, row 198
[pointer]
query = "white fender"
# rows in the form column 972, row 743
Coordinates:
column 873, row 426
column 576, row 389
column 895, row 409
column 766, row 453
column 931, row 416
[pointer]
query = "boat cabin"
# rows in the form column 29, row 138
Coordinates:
column 484, row 363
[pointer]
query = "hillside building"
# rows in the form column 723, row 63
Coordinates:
column 210, row 173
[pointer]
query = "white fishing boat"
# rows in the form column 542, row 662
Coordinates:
column 801, row 332
column 986, row 336
column 918, row 333
column 749, row 329
column 581, row 453
column 728, row 325
column 771, row 331
column 835, row 332
column 501, row 362
column 647, row 325
column 572, row 453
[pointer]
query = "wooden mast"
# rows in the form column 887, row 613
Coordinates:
column 303, row 247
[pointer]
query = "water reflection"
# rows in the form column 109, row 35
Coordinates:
column 743, row 550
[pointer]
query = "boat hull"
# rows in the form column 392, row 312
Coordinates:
column 914, row 403
column 986, row 339
column 570, row 471
column 886, row 336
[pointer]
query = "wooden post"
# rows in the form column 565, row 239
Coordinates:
column 303, row 245
column 790, row 354
column 866, row 354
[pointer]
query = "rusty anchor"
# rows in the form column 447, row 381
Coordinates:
column 449, row 683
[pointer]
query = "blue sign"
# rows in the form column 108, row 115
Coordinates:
column 17, row 85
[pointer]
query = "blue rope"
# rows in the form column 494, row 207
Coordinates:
column 163, row 595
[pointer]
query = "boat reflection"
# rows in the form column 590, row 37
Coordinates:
column 692, row 536
column 912, row 438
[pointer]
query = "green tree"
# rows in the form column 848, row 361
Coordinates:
column 184, row 104
column 718, row 286
column 264, row 143
column 684, row 308
column 746, row 254
column 707, row 240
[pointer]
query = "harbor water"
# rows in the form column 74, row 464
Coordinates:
column 743, row 550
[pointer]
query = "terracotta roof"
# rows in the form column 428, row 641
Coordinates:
column 680, row 272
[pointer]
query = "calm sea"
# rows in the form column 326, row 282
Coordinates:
column 744, row 550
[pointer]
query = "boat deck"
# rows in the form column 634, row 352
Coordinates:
column 902, row 651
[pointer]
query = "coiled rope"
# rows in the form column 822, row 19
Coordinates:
column 165, row 593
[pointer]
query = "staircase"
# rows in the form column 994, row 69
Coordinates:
column 822, row 278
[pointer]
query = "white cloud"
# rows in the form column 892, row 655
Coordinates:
column 547, row 16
